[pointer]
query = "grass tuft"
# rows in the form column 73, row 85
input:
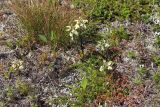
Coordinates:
column 46, row 19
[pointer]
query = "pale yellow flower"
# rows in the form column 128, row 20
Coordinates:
column 77, row 26
column 101, row 68
column 75, row 32
column 74, row 29
column 85, row 21
column 109, row 65
column 68, row 28
column 17, row 65
column 21, row 67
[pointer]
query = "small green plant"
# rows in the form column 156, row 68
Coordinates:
column 158, row 41
column 10, row 92
column 53, row 39
column 10, row 44
column 156, row 78
column 8, row 73
column 121, row 32
column 92, row 82
column 132, row 54
column 156, row 60
column 2, row 104
column 142, row 70
column 1, row 33
column 32, row 99
column 22, row 87
column 18, row 88
column 137, row 80
column 25, row 41
column 114, row 36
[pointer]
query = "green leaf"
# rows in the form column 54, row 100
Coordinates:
column 53, row 35
column 43, row 38
column 84, row 83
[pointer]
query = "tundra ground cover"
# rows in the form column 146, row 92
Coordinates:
column 87, row 53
